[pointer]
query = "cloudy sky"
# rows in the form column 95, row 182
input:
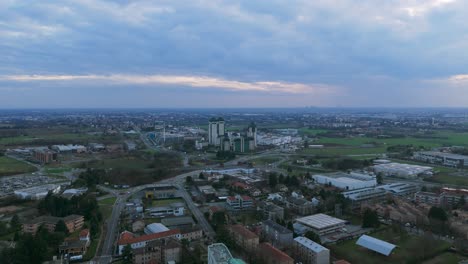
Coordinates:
column 228, row 53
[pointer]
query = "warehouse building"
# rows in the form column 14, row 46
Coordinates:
column 399, row 188
column 401, row 170
column 38, row 192
column 446, row 159
column 321, row 224
column 376, row 245
column 346, row 181
column 366, row 195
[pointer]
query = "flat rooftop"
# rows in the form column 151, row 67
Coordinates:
column 320, row 221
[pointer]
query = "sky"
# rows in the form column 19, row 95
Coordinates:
column 228, row 53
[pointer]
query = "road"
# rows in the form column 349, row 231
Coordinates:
column 112, row 231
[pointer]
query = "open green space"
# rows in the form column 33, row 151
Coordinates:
column 107, row 201
column 164, row 202
column 91, row 252
column 407, row 248
column 9, row 166
column 446, row 258
column 448, row 179
column 310, row 131
column 105, row 206
column 119, row 163
column 440, row 138
column 343, row 151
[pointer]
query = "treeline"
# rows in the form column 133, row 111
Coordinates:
column 274, row 179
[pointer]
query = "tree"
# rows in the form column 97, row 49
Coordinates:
column 127, row 254
column 189, row 180
column 61, row 227
column 201, row 176
column 461, row 202
column 290, row 226
column 370, row 219
column 379, row 178
column 437, row 213
column 15, row 224
column 312, row 236
column 273, row 180
column 424, row 189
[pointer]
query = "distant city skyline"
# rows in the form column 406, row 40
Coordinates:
column 215, row 54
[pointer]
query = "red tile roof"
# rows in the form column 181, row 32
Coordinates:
column 84, row 233
column 268, row 250
column 244, row 232
column 241, row 185
column 246, row 198
column 125, row 239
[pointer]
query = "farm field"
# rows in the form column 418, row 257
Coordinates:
column 9, row 166
column 448, row 179
column 404, row 253
column 446, row 258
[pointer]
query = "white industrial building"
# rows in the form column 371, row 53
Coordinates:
column 446, row 159
column 346, row 181
column 307, row 251
column 269, row 139
column 360, row 196
column 399, row 188
column 69, row 148
column 376, row 245
column 402, row 170
column 321, row 224
column 37, row 192
column 155, row 228
column 175, row 209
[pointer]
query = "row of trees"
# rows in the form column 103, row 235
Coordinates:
column 274, row 179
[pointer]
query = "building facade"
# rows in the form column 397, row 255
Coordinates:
column 307, row 251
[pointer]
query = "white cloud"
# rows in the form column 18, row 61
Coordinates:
column 180, row 80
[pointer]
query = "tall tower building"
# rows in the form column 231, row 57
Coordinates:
column 216, row 131
column 252, row 133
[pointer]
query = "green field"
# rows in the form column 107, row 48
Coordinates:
column 106, row 206
column 119, row 163
column 447, row 179
column 265, row 160
column 9, row 166
column 164, row 202
column 440, row 138
column 342, row 151
column 311, row 132
column 446, row 258
column 407, row 245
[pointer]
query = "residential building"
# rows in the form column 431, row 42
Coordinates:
column 162, row 191
column 278, row 235
column 158, row 251
column 244, row 238
column 45, row 156
column 300, row 206
column 240, row 202
column 73, row 249
column 271, row 255
column 307, row 251
column 191, row 233
column 428, row 198
column 72, row 222
column 215, row 131
column 128, row 238
column 271, row 211
column 322, row 224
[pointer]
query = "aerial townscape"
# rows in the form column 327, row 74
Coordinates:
column 233, row 186
column 234, row 132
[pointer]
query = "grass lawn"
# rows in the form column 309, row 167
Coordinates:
column 311, row 132
column 446, row 258
column 447, row 179
column 407, row 245
column 120, row 163
column 106, row 206
column 164, row 202
column 91, row 250
column 9, row 166
column 343, row 151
